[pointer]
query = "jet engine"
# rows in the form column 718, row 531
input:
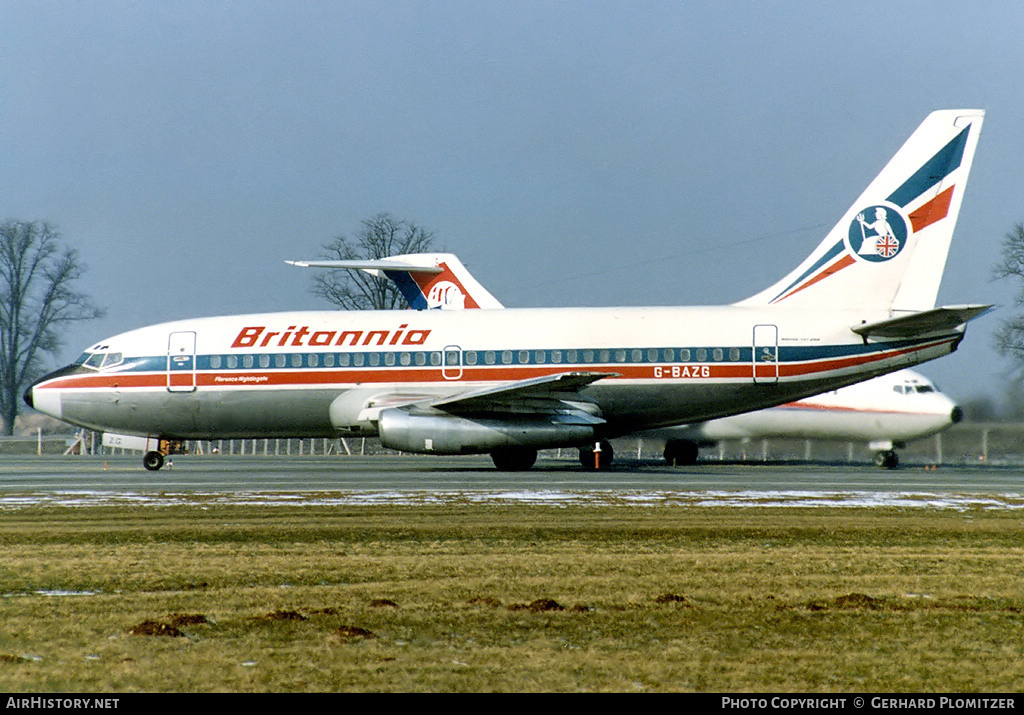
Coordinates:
column 442, row 433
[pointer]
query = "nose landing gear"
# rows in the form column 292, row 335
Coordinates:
column 154, row 459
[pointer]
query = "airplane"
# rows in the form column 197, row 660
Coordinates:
column 886, row 412
column 509, row 382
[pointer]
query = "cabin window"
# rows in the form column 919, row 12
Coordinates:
column 717, row 355
column 405, row 358
column 247, row 361
column 470, row 357
column 329, row 360
column 506, row 357
column 684, row 355
column 215, row 362
column 556, row 356
column 313, row 360
column 264, row 361
column 702, row 355
column 232, row 361
column 524, row 357
column 734, row 354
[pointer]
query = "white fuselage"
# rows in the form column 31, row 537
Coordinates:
column 883, row 412
column 323, row 373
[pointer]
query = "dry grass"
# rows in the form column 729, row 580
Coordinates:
column 516, row 598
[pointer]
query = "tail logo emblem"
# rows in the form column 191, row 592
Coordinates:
column 445, row 294
column 877, row 234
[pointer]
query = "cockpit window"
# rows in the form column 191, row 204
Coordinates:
column 925, row 388
column 100, row 360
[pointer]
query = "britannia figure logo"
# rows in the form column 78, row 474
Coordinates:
column 877, row 234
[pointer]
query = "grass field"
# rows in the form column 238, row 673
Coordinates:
column 206, row 598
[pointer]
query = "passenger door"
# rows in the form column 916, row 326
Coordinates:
column 181, row 362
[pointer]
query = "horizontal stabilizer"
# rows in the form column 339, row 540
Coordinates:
column 936, row 320
column 378, row 265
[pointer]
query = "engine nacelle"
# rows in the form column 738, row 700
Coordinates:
column 449, row 434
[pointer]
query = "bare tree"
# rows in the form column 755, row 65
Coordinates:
column 379, row 237
column 37, row 298
column 1010, row 336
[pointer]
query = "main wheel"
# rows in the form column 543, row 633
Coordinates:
column 153, row 461
column 680, row 452
column 514, row 459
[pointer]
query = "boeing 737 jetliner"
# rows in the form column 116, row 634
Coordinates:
column 886, row 412
column 513, row 381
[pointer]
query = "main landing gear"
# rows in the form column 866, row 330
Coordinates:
column 680, row 452
column 513, row 459
column 519, row 459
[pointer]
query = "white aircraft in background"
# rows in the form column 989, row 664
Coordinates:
column 509, row 382
column 886, row 412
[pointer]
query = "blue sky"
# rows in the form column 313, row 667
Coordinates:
column 571, row 153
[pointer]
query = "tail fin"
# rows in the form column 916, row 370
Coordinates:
column 426, row 280
column 889, row 249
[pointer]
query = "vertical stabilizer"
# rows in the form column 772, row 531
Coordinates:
column 889, row 249
column 427, row 281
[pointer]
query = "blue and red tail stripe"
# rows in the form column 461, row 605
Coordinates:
column 945, row 162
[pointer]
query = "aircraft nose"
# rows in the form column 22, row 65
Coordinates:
column 48, row 401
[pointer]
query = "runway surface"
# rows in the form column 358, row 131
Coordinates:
column 30, row 480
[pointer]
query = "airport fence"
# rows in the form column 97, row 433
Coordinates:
column 978, row 443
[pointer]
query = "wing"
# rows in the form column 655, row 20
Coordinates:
column 555, row 395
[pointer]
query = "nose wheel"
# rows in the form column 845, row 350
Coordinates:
column 887, row 459
column 153, row 461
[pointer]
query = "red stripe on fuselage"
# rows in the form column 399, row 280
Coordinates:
column 347, row 377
